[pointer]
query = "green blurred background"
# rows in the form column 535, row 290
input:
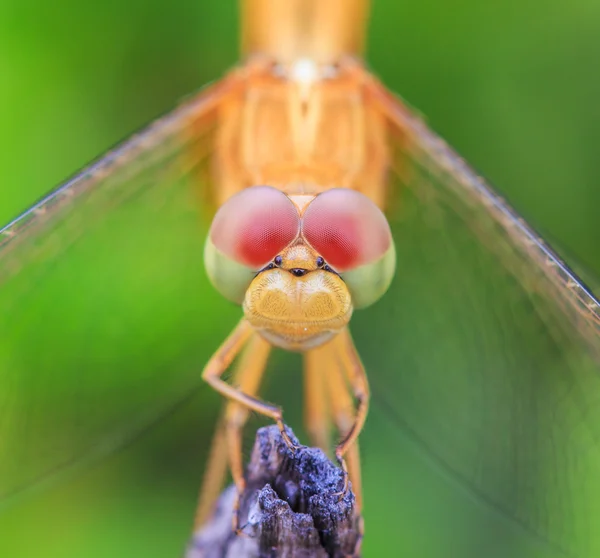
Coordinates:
column 514, row 86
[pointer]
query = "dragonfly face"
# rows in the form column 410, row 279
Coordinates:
column 298, row 305
column 298, row 300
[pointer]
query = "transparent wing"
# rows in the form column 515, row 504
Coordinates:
column 102, row 298
column 488, row 354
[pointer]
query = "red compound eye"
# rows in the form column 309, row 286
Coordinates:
column 253, row 226
column 346, row 228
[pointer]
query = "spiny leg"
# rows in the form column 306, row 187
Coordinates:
column 342, row 409
column 214, row 476
column 217, row 461
column 247, row 376
column 316, row 416
column 354, row 371
column 250, row 372
column 218, row 364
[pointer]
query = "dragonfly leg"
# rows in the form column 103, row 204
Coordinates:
column 342, row 409
column 354, row 371
column 316, row 413
column 247, row 376
column 218, row 364
column 218, row 459
column 214, row 476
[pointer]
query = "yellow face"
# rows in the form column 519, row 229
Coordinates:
column 298, row 304
column 300, row 265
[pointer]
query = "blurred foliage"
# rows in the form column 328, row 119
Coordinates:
column 512, row 85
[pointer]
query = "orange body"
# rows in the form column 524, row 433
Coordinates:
column 297, row 118
column 301, row 121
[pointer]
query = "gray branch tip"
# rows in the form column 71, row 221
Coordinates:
column 291, row 508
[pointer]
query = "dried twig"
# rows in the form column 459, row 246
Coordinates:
column 291, row 507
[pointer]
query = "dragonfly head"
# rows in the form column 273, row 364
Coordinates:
column 297, row 301
column 299, row 269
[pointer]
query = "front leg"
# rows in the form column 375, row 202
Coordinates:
column 355, row 373
column 249, row 373
column 221, row 360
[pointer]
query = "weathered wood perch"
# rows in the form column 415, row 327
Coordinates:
column 291, row 508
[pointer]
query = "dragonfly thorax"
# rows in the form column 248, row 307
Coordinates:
column 323, row 31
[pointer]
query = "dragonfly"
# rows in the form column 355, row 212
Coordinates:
column 299, row 175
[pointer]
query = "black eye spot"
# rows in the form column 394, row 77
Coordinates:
column 278, row 260
column 320, row 261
